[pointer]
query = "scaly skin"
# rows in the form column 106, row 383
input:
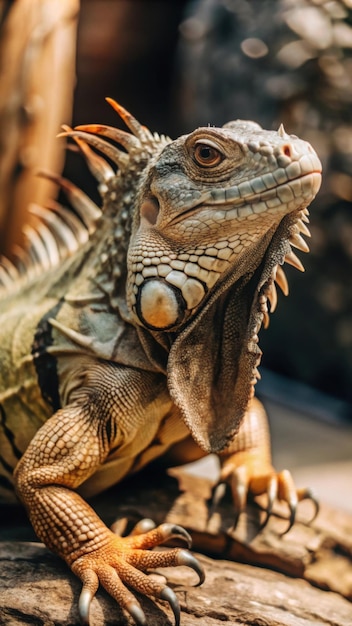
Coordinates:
column 132, row 333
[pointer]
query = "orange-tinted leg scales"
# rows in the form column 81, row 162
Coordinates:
column 120, row 564
column 66, row 451
column 247, row 469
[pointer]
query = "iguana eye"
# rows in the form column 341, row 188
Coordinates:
column 207, row 155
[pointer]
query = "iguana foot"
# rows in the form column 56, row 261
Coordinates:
column 121, row 563
column 252, row 477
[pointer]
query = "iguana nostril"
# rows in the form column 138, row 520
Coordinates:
column 286, row 150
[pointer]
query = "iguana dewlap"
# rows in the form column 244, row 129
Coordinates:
column 131, row 331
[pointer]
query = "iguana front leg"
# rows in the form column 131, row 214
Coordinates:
column 68, row 449
column 246, row 467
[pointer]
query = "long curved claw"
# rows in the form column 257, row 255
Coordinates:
column 169, row 596
column 288, row 493
column 90, row 587
column 236, row 479
column 136, row 613
column 173, row 531
column 186, row 558
column 84, row 603
column 308, row 494
column 239, row 484
column 272, row 495
column 293, row 511
column 291, row 496
column 217, row 494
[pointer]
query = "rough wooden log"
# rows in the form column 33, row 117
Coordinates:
column 37, row 588
column 37, row 74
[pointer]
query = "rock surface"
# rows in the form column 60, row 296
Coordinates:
column 278, row 585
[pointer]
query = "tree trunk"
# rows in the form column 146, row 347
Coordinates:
column 37, row 73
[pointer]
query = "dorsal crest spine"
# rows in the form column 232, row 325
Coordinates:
column 57, row 232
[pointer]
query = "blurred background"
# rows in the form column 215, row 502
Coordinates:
column 184, row 63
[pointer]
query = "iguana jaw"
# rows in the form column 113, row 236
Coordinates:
column 242, row 205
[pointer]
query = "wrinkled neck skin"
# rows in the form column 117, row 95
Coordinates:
column 209, row 362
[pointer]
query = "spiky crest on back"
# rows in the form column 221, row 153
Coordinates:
column 57, row 232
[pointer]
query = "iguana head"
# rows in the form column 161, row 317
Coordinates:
column 216, row 216
column 208, row 208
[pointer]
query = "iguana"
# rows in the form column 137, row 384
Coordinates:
column 131, row 331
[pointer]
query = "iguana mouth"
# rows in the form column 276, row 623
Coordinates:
column 283, row 192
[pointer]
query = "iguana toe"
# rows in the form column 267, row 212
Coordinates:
column 276, row 486
column 168, row 595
